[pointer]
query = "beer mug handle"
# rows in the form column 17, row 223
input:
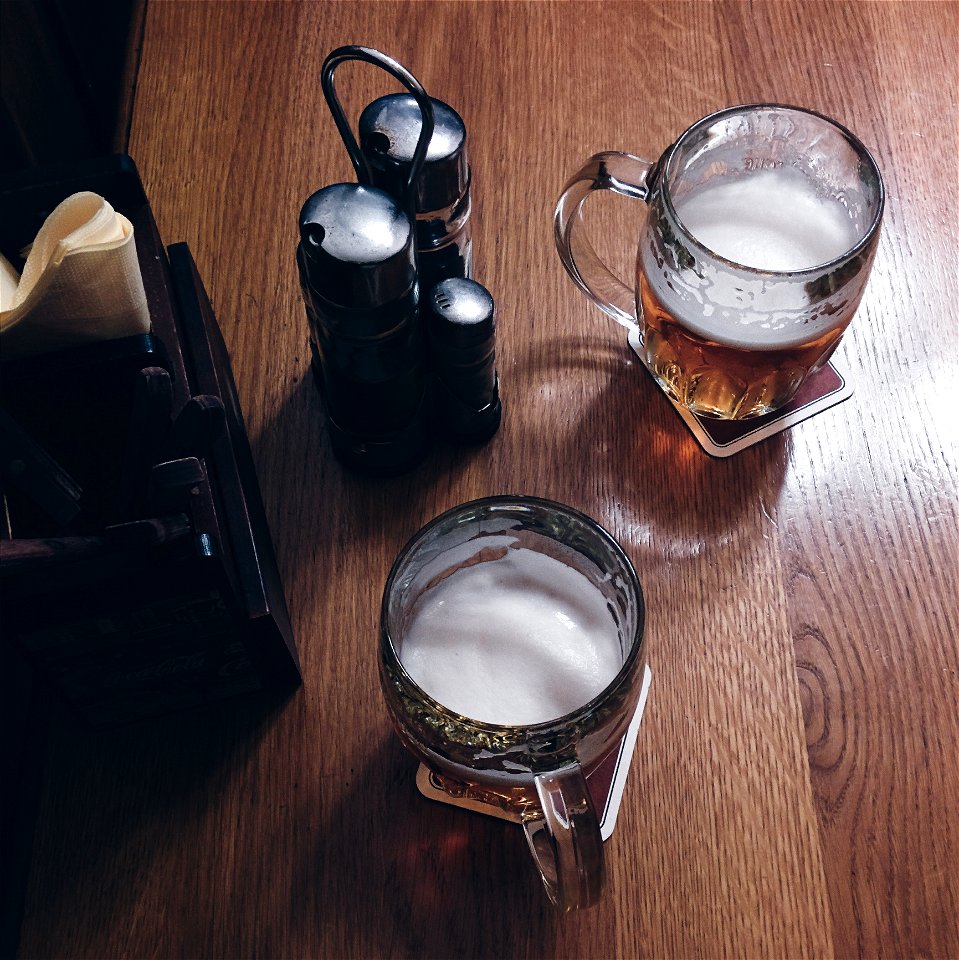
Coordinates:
column 565, row 840
column 622, row 173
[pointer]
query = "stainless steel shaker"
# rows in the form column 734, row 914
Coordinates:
column 389, row 129
column 461, row 330
column 358, row 274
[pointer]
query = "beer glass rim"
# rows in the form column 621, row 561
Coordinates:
column 853, row 141
column 637, row 642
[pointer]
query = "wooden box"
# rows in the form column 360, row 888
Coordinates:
column 123, row 621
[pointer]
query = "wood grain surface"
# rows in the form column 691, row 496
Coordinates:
column 794, row 788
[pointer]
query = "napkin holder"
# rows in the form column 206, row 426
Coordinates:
column 132, row 631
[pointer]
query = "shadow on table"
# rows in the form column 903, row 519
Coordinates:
column 401, row 875
column 635, row 446
column 122, row 806
column 623, row 437
column 312, row 495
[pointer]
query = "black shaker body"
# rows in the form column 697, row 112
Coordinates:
column 461, row 329
column 358, row 274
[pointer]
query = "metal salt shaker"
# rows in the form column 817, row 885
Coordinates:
column 358, row 274
column 389, row 128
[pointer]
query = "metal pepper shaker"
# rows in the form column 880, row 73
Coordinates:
column 461, row 328
column 389, row 128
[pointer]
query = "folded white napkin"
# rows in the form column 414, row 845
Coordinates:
column 81, row 282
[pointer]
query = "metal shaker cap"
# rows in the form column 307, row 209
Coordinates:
column 461, row 313
column 358, row 244
column 389, row 128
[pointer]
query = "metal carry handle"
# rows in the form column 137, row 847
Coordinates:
column 360, row 164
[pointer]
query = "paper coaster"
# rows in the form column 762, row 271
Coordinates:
column 723, row 438
column 606, row 783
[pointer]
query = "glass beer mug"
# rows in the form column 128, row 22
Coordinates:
column 762, row 226
column 511, row 662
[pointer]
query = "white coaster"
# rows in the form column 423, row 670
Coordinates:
column 606, row 783
column 723, row 438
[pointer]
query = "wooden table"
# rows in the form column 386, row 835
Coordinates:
column 794, row 789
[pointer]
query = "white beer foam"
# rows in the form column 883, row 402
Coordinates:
column 520, row 639
column 771, row 220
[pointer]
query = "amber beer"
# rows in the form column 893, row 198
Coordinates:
column 721, row 380
column 511, row 661
column 763, row 224
column 739, row 342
